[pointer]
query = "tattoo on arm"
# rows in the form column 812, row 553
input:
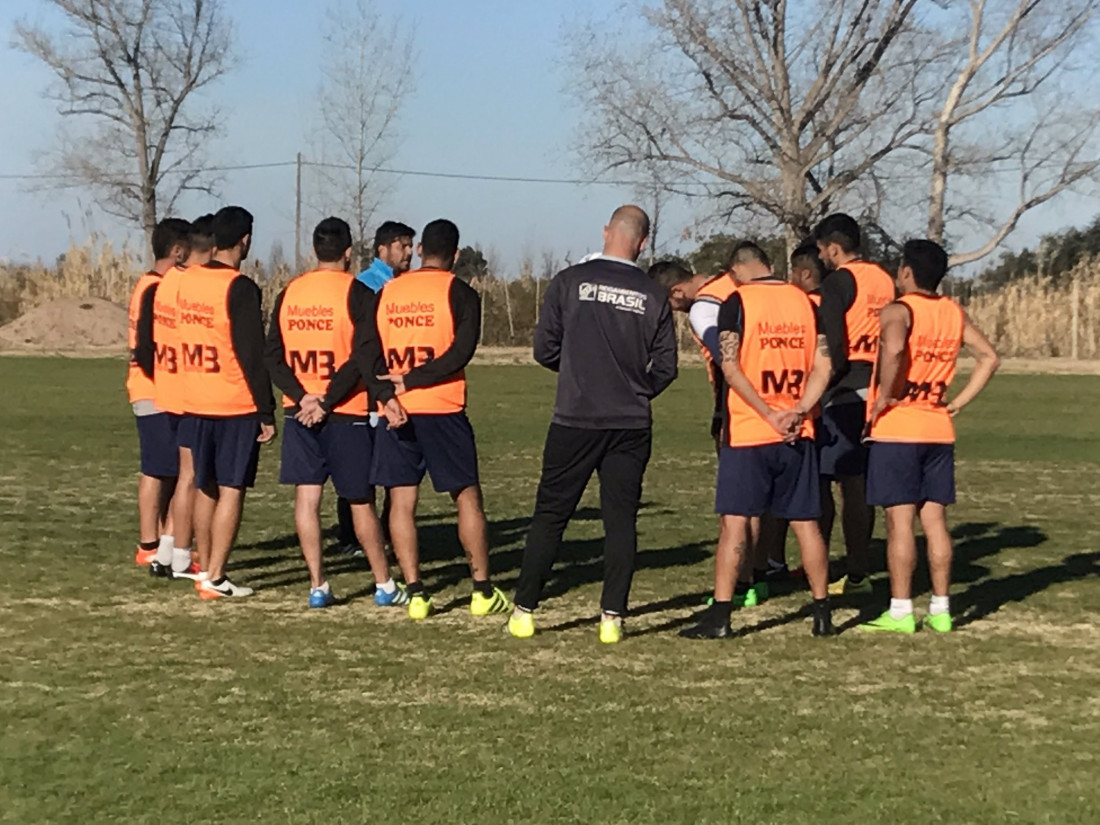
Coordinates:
column 729, row 344
column 822, row 345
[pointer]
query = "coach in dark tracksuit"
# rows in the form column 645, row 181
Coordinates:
column 607, row 330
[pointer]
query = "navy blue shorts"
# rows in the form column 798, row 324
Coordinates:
column 338, row 449
column 840, row 449
column 226, row 451
column 160, row 456
column 782, row 478
column 441, row 445
column 185, row 435
column 910, row 474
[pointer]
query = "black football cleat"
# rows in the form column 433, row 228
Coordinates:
column 710, row 627
column 823, row 624
column 160, row 571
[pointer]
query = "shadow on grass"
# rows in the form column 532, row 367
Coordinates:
column 985, row 598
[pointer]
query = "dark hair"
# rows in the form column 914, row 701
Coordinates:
column 231, row 224
column 748, row 252
column 202, row 234
column 439, row 240
column 928, row 260
column 667, row 274
column 840, row 229
column 807, row 257
column 391, row 231
column 168, row 233
column 331, row 239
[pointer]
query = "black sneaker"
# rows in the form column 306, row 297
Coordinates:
column 160, row 571
column 711, row 626
column 823, row 623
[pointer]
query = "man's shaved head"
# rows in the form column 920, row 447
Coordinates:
column 626, row 233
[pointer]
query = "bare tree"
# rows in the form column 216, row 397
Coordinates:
column 131, row 70
column 1013, row 52
column 773, row 109
column 367, row 77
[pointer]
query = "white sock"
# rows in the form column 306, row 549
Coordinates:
column 181, row 559
column 939, row 604
column 900, row 608
column 615, row 617
column 164, row 551
column 388, row 587
column 324, row 588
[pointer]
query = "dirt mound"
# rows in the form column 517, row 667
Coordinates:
column 68, row 325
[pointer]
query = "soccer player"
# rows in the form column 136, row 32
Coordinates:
column 776, row 365
column 156, row 427
column 428, row 323
column 176, row 562
column 911, row 468
column 607, row 331
column 309, row 347
column 852, row 295
column 393, row 249
column 226, row 389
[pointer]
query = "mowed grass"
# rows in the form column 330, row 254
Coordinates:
column 126, row 698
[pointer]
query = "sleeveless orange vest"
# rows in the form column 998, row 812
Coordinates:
column 931, row 359
column 874, row 290
column 415, row 325
column 719, row 288
column 213, row 381
column 167, row 379
column 778, row 345
column 318, row 333
column 139, row 386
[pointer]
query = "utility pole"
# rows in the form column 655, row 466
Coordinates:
column 298, row 218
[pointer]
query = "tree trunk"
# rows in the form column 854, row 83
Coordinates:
column 938, row 195
column 508, row 311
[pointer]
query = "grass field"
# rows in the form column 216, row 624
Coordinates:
column 126, row 698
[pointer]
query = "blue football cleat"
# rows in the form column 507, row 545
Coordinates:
column 319, row 597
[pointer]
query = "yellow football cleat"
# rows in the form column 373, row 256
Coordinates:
column 488, row 605
column 611, row 630
column 522, row 624
column 420, row 607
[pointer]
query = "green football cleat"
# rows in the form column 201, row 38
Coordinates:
column 522, row 624
column 762, row 592
column 845, row 587
column 888, row 624
column 611, row 630
column 939, row 622
column 747, row 599
column 420, row 607
column 488, row 605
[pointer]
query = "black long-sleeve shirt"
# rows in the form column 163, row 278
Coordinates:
column 607, row 330
column 838, row 293
column 145, row 349
column 465, row 306
column 361, row 305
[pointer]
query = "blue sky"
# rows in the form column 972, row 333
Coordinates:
column 490, row 99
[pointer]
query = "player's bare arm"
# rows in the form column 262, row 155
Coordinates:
column 987, row 363
column 729, row 344
column 893, row 341
column 819, row 378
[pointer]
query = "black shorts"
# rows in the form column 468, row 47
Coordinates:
column 782, row 478
column 900, row 473
column 840, row 449
column 441, row 445
column 226, row 451
column 160, row 456
column 338, row 449
column 188, row 425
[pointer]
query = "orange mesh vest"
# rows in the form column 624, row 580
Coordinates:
column 931, row 358
column 318, row 333
column 874, row 290
column 213, row 381
column 719, row 288
column 167, row 379
column 139, row 386
column 778, row 345
column 415, row 325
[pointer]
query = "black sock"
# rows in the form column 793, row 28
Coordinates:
column 220, row 581
column 415, row 588
column 148, row 545
column 722, row 611
column 760, row 575
column 821, row 605
column 853, row 579
column 741, row 588
column 485, row 588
